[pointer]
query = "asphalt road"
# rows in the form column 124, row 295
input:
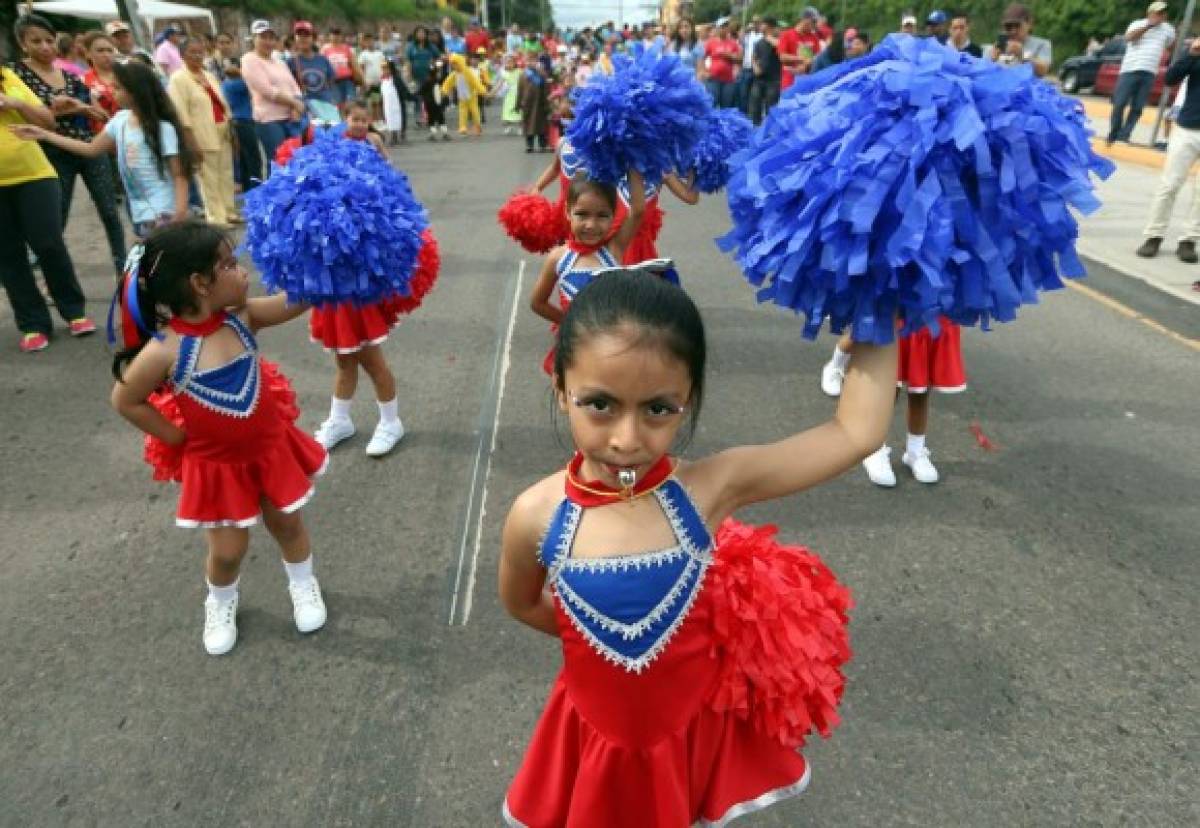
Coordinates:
column 1025, row 632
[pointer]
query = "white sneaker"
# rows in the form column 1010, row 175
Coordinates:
column 879, row 468
column 333, row 431
column 831, row 379
column 308, row 607
column 220, row 625
column 922, row 467
column 385, row 438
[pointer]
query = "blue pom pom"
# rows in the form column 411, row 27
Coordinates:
column 336, row 224
column 647, row 115
column 727, row 132
column 915, row 181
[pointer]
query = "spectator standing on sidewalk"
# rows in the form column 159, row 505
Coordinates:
column 960, row 35
column 1183, row 150
column 723, row 54
column 1020, row 44
column 312, row 70
column 278, row 105
column 166, row 53
column 249, row 157
column 798, row 46
column 745, row 77
column 768, row 72
column 935, row 25
column 204, row 116
column 1145, row 42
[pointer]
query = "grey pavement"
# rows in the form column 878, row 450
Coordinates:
column 1025, row 632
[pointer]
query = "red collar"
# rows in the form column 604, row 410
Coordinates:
column 583, row 249
column 596, row 493
column 202, row 328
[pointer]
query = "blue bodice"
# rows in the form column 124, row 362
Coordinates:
column 571, row 280
column 232, row 388
column 627, row 607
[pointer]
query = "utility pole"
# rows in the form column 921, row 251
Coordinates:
column 128, row 10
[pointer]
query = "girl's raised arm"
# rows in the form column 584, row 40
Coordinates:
column 754, row 473
column 633, row 221
column 685, row 191
column 265, row 311
column 548, row 175
column 146, row 373
column 522, row 576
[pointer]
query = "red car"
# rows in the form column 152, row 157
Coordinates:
column 1106, row 78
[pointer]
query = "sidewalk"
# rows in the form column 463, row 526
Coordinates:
column 1113, row 233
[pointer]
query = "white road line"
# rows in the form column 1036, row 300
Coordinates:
column 472, row 532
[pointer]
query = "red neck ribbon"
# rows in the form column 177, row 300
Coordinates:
column 202, row 328
column 583, row 249
column 596, row 493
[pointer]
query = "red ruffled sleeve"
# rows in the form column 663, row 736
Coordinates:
column 780, row 629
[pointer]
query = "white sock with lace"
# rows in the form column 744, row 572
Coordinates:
column 223, row 594
column 841, row 359
column 915, row 444
column 389, row 412
column 339, row 409
column 298, row 573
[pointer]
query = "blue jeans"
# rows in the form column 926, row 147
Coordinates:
column 273, row 133
column 724, row 95
column 744, row 79
column 1133, row 89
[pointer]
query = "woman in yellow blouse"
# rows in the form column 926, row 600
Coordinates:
column 205, row 116
column 30, row 195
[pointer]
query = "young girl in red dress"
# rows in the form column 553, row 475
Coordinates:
column 219, row 419
column 927, row 361
column 354, row 334
column 697, row 652
column 591, row 246
column 566, row 166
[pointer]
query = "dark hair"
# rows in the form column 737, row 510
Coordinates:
column 64, row 44
column 30, row 21
column 837, row 47
column 581, row 184
column 152, row 107
column 677, row 39
column 358, row 103
column 663, row 314
column 89, row 39
column 170, row 256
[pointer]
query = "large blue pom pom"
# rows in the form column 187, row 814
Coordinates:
column 647, row 115
column 915, row 181
column 726, row 132
column 336, row 224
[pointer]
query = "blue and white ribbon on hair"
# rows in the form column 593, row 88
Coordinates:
column 662, row 268
column 126, row 296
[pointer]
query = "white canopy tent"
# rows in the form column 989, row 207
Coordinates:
column 151, row 11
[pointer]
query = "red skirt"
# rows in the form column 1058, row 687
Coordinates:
column 346, row 328
column 927, row 362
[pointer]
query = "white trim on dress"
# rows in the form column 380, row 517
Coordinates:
column 759, row 803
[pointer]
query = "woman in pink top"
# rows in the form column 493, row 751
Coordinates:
column 274, row 94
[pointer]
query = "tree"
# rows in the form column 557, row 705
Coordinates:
column 706, row 11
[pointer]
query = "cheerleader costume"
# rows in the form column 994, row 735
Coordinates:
column 571, row 280
column 242, row 444
column 643, row 245
column 681, row 673
column 933, row 362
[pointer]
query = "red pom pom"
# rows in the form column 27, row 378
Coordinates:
column 779, row 628
column 429, row 263
column 165, row 460
column 534, row 222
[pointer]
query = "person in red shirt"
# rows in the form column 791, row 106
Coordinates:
column 723, row 55
column 345, row 68
column 477, row 38
column 798, row 46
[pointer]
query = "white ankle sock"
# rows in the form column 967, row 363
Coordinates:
column 339, row 409
column 389, row 412
column 840, row 358
column 222, row 593
column 915, row 443
column 298, row 573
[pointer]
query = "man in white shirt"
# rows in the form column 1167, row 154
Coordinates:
column 370, row 65
column 745, row 77
column 1145, row 42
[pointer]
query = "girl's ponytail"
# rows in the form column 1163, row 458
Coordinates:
column 134, row 303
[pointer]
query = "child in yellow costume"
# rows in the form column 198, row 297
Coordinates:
column 466, row 80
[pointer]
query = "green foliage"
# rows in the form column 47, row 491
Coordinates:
column 349, row 10
column 706, row 11
column 1067, row 23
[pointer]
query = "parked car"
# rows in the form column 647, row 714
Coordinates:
column 1106, row 78
column 1079, row 73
